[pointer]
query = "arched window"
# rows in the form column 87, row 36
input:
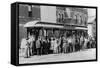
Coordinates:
column 75, row 18
column 78, row 19
column 81, row 20
column 63, row 16
column 60, row 14
column 85, row 21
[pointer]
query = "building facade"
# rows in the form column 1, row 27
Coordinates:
column 92, row 22
column 69, row 19
column 27, row 13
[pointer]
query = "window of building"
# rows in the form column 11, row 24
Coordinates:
column 30, row 10
column 81, row 20
column 78, row 19
column 75, row 18
column 23, row 11
column 36, row 12
column 61, row 14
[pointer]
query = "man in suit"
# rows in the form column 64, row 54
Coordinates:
column 27, row 48
column 32, row 39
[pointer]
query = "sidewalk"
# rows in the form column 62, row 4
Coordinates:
column 80, row 55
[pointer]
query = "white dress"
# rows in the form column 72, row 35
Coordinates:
column 23, row 43
column 52, row 45
column 55, row 44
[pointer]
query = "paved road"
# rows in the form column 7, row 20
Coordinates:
column 80, row 55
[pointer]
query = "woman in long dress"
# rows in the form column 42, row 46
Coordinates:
column 65, row 45
column 23, row 44
column 31, row 40
column 70, row 43
column 24, row 47
column 55, row 46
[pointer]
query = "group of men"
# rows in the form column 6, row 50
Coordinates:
column 42, row 45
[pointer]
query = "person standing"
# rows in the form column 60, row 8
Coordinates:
column 77, row 47
column 93, row 43
column 70, row 43
column 42, row 46
column 85, row 42
column 61, row 44
column 38, row 46
column 23, row 45
column 27, row 49
column 48, row 46
column 81, row 42
column 52, row 45
column 64, row 45
column 55, row 46
column 73, row 43
column 32, row 39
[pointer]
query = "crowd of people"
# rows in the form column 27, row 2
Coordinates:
column 44, row 45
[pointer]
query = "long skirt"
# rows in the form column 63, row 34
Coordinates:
column 27, row 52
column 70, row 47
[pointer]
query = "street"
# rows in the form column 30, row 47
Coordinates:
column 80, row 55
